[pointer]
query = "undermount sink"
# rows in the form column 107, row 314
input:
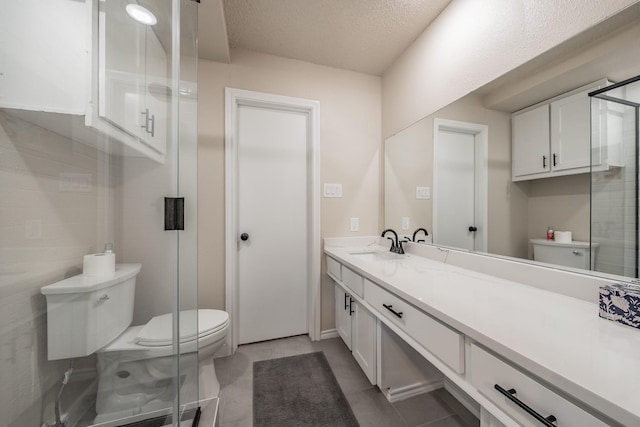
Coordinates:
column 375, row 256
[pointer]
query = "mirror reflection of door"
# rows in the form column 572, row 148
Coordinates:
column 460, row 185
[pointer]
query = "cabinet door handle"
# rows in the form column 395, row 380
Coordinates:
column 544, row 162
column 554, row 159
column 549, row 421
column 389, row 307
column 145, row 126
column 346, row 302
column 153, row 126
column 351, row 310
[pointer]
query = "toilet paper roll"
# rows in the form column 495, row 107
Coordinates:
column 99, row 265
column 563, row 236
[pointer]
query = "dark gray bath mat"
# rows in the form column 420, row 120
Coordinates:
column 298, row 391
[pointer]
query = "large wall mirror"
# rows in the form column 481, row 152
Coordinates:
column 452, row 172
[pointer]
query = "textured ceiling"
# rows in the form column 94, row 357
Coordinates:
column 359, row 35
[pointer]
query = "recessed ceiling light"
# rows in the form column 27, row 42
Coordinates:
column 141, row 14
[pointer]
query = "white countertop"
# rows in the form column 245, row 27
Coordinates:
column 560, row 339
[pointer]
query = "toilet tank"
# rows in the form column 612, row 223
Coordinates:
column 573, row 254
column 86, row 313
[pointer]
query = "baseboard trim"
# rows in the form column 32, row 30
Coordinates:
column 411, row 390
column 462, row 397
column 329, row 333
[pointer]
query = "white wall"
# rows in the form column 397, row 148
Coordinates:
column 349, row 152
column 473, row 42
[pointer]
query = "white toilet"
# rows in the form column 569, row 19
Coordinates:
column 137, row 364
column 570, row 254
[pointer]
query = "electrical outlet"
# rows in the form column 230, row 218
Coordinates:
column 355, row 224
column 405, row 222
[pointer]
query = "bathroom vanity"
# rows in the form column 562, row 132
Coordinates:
column 523, row 335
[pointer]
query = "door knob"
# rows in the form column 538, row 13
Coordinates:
column 244, row 237
column 472, row 228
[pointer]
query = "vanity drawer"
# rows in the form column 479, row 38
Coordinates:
column 486, row 370
column 353, row 281
column 445, row 343
column 334, row 268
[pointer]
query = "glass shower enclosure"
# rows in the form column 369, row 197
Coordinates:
column 98, row 146
column 614, row 189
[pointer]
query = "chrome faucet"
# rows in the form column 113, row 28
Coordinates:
column 415, row 233
column 396, row 247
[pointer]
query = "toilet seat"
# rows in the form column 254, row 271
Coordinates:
column 159, row 330
column 158, row 335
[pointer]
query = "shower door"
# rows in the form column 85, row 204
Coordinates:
column 88, row 160
column 615, row 221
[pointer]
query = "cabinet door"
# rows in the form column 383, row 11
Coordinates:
column 43, row 55
column 530, row 142
column 343, row 315
column 156, row 92
column 571, row 134
column 363, row 326
column 121, row 83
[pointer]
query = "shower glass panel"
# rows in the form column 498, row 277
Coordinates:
column 97, row 137
column 614, row 190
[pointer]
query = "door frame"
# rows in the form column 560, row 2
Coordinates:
column 234, row 98
column 481, row 134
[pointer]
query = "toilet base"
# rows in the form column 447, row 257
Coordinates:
column 146, row 391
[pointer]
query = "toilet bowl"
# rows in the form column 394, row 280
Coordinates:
column 137, row 370
column 140, row 368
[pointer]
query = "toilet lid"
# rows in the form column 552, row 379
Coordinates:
column 159, row 330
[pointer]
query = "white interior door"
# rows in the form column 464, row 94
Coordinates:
column 455, row 189
column 273, row 212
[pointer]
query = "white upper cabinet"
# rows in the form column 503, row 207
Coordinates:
column 111, row 77
column 35, row 74
column 133, row 78
column 554, row 138
column 530, row 154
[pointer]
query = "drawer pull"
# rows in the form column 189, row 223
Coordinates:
column 390, row 308
column 549, row 421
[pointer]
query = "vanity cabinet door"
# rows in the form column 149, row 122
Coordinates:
column 530, row 143
column 343, row 315
column 363, row 340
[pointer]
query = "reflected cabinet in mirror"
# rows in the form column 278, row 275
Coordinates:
column 549, row 150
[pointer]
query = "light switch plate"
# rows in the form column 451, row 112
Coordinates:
column 332, row 190
column 355, row 224
column 405, row 222
column 423, row 193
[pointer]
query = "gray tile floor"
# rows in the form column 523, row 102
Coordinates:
column 371, row 408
